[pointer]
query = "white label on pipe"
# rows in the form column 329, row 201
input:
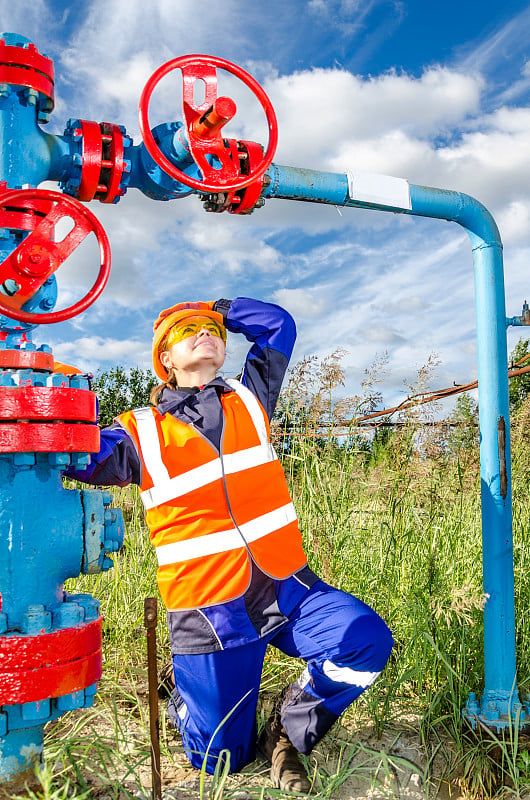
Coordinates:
column 381, row 190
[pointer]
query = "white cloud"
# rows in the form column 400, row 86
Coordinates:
column 505, row 43
column 321, row 111
column 390, row 282
column 300, row 302
column 89, row 350
column 31, row 18
column 514, row 221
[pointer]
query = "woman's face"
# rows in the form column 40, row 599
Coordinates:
column 202, row 351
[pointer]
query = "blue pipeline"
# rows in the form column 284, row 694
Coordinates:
column 47, row 533
column 29, row 156
column 500, row 699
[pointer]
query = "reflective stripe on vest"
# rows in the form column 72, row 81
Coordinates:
column 226, row 540
column 171, row 488
column 252, row 407
column 166, row 488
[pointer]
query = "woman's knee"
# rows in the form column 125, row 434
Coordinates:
column 367, row 643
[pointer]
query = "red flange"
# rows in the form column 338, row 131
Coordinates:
column 103, row 162
column 204, row 136
column 25, row 66
column 53, row 664
column 113, row 164
column 245, row 201
column 38, row 256
column 47, row 402
column 92, row 156
column 48, row 437
column 26, row 359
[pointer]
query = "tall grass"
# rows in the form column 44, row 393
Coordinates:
column 397, row 524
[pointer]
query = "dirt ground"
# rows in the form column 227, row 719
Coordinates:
column 347, row 765
column 351, row 763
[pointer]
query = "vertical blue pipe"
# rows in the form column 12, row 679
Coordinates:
column 500, row 698
column 500, row 701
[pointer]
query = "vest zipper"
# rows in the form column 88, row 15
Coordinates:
column 228, row 499
column 220, row 455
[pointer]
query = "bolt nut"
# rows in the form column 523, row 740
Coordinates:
column 88, row 603
column 68, row 615
column 36, row 710
column 79, row 382
column 23, row 459
column 36, row 620
column 110, row 517
column 80, row 460
column 107, row 564
column 57, row 379
column 90, row 693
column 59, row 460
column 69, row 702
column 492, row 712
column 31, row 95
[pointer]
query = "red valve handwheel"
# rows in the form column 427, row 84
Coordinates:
column 202, row 65
column 38, row 256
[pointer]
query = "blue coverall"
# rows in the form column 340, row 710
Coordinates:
column 218, row 651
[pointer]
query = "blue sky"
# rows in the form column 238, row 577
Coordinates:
column 437, row 93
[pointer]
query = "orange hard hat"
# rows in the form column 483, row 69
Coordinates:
column 169, row 317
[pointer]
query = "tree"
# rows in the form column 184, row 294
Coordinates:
column 520, row 385
column 119, row 389
column 464, row 436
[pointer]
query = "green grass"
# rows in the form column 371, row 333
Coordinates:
column 400, row 529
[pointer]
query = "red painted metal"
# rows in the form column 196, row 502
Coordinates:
column 250, row 195
column 102, row 161
column 26, row 359
column 92, row 154
column 25, row 66
column 203, row 68
column 47, row 403
column 26, row 218
column 48, row 665
column 38, row 256
column 48, row 437
column 115, row 157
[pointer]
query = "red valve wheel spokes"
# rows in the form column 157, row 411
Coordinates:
column 204, row 67
column 38, row 256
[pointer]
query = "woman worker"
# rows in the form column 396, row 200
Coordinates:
column 231, row 567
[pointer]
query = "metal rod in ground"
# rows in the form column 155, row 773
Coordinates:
column 150, row 620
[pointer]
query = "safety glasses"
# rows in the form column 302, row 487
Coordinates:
column 191, row 327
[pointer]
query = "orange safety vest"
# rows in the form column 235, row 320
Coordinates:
column 210, row 514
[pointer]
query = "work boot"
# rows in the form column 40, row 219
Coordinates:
column 166, row 681
column 287, row 771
